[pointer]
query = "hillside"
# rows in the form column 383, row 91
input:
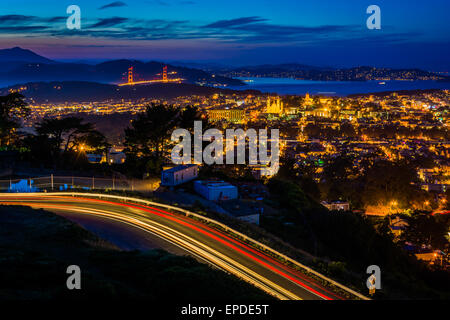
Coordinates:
column 36, row 247
column 24, row 55
column 11, row 59
column 305, row 72
column 19, row 66
column 77, row 91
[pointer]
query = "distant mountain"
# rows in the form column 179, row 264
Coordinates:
column 305, row 72
column 13, row 58
column 273, row 68
column 414, row 92
column 24, row 55
column 207, row 66
column 30, row 67
column 80, row 91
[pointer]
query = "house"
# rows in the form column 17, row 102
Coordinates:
column 398, row 226
column 336, row 205
column 95, row 158
column 436, row 187
column 216, row 190
column 116, row 157
column 179, row 175
column 431, row 256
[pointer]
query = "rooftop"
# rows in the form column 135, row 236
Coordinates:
column 214, row 184
column 180, row 168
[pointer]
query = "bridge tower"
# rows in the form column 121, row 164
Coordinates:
column 165, row 74
column 130, row 75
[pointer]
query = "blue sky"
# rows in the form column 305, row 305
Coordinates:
column 329, row 32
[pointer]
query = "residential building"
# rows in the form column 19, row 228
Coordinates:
column 179, row 175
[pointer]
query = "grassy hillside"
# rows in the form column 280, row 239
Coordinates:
column 36, row 247
column 348, row 243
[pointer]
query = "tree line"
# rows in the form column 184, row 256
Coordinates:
column 65, row 142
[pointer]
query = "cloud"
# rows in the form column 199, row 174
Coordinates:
column 16, row 18
column 114, row 4
column 55, row 19
column 247, row 31
column 263, row 32
column 23, row 29
column 234, row 22
column 109, row 22
column 96, row 46
column 131, row 29
column 259, row 30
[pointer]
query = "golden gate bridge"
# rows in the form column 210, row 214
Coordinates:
column 165, row 78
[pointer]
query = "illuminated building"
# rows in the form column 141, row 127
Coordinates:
column 308, row 101
column 321, row 112
column 274, row 105
column 230, row 115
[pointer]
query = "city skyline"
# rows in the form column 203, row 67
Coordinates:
column 179, row 153
column 413, row 34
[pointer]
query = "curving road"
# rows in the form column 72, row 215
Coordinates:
column 193, row 237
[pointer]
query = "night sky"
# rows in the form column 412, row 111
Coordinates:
column 415, row 33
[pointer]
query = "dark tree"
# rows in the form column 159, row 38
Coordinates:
column 387, row 181
column 13, row 109
column 150, row 133
column 426, row 229
column 62, row 137
column 347, row 130
column 63, row 133
column 148, row 140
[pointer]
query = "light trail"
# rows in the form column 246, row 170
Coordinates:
column 194, row 237
column 198, row 249
column 194, row 247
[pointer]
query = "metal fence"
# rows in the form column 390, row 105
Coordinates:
column 59, row 183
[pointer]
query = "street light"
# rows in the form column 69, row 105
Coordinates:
column 392, row 206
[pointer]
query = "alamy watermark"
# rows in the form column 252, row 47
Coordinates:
column 374, row 21
column 74, row 20
column 258, row 147
column 74, row 280
column 373, row 283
